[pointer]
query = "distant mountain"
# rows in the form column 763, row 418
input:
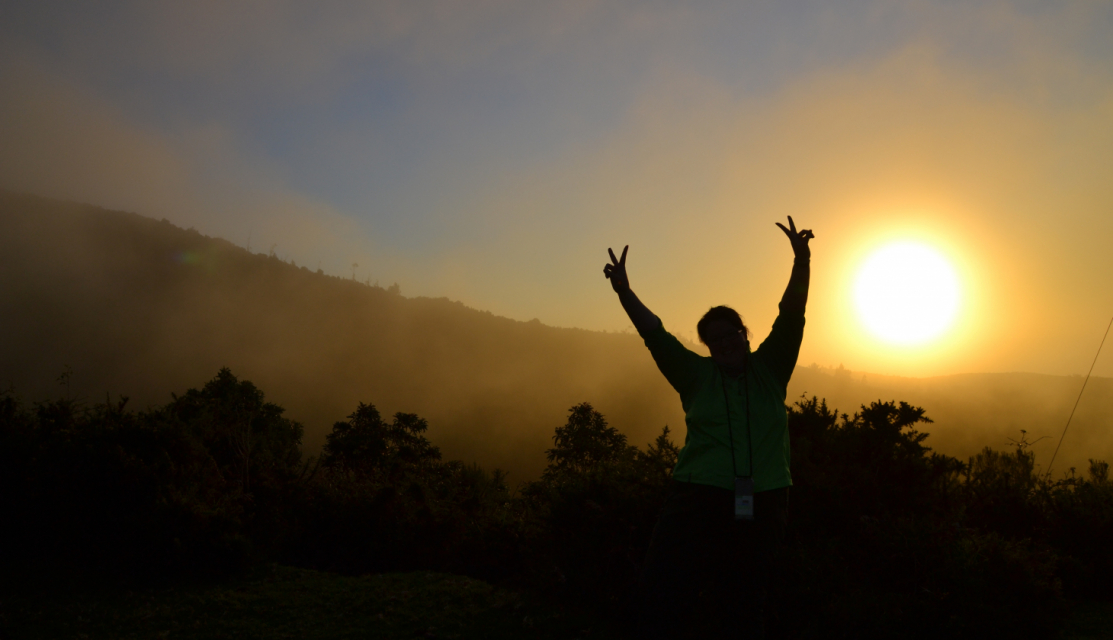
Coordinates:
column 135, row 306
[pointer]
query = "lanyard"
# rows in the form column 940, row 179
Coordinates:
column 730, row 429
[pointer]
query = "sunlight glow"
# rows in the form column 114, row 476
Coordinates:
column 906, row 293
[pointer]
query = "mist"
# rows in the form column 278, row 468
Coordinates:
column 127, row 305
column 974, row 411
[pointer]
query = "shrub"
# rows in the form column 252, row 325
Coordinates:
column 384, row 500
column 595, row 507
column 187, row 488
column 888, row 538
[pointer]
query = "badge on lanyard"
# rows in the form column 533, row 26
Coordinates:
column 743, row 498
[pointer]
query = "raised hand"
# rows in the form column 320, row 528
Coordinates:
column 799, row 239
column 616, row 271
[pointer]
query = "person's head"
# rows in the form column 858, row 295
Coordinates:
column 724, row 333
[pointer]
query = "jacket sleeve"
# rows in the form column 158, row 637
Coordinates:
column 781, row 348
column 679, row 365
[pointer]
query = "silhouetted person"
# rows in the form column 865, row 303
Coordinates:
column 713, row 548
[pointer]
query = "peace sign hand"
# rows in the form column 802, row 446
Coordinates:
column 799, row 239
column 616, row 271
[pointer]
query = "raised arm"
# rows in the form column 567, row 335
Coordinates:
column 643, row 319
column 796, row 294
column 781, row 347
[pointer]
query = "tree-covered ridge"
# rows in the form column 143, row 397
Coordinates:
column 886, row 537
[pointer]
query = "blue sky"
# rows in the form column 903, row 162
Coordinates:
column 491, row 151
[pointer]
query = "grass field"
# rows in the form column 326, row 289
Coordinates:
column 286, row 602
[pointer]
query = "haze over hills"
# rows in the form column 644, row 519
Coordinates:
column 975, row 410
column 139, row 307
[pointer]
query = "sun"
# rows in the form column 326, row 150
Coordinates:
column 906, row 293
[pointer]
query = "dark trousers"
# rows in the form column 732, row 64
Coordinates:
column 705, row 573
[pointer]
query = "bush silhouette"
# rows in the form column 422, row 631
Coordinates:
column 594, row 509
column 886, row 537
column 194, row 486
column 385, row 500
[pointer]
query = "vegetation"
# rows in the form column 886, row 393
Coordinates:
column 284, row 602
column 886, row 538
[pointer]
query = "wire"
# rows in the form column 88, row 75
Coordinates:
column 1078, row 398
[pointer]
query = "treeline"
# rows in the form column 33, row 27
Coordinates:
column 886, row 537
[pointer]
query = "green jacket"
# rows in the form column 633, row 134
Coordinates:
column 754, row 400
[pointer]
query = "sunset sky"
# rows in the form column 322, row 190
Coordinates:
column 492, row 151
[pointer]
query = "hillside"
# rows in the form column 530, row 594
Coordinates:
column 140, row 307
column 135, row 306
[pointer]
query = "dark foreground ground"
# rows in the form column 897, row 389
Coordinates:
column 1090, row 621
column 285, row 602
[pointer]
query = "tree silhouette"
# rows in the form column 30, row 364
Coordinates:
column 584, row 442
column 366, row 444
column 246, row 435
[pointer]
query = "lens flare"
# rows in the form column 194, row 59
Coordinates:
column 906, row 293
